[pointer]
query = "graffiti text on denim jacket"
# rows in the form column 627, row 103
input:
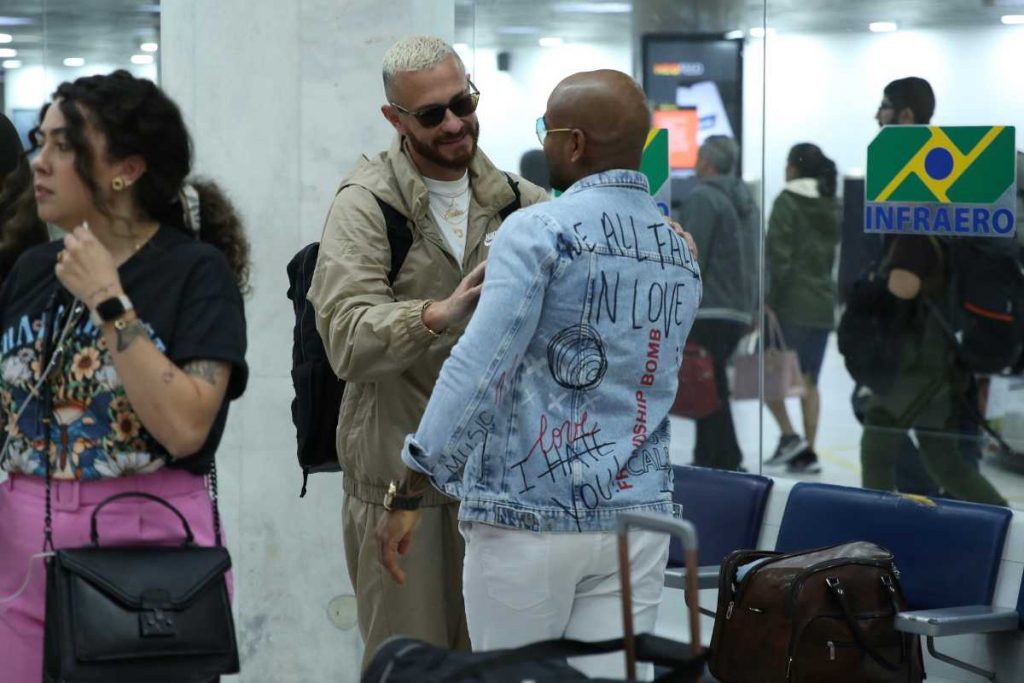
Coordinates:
column 655, row 303
column 476, row 433
column 562, row 444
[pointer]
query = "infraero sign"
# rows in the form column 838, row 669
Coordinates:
column 949, row 180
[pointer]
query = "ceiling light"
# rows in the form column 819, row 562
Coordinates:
column 594, row 7
column 6, row 38
column 149, row 47
column 734, row 35
column 74, row 61
column 882, row 26
column 8, row 52
column 517, row 30
column 142, row 59
column 550, row 41
column 15, row 21
column 12, row 64
column 1013, row 19
column 761, row 32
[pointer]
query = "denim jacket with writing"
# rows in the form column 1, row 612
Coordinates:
column 551, row 414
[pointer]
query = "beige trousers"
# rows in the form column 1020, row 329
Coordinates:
column 429, row 606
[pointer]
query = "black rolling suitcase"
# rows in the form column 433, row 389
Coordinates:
column 406, row 660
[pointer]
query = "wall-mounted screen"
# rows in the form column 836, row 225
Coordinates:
column 699, row 73
column 681, row 124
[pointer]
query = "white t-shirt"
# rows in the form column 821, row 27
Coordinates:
column 449, row 204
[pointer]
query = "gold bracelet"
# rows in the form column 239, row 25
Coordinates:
column 423, row 321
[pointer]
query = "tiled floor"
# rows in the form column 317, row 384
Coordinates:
column 839, row 432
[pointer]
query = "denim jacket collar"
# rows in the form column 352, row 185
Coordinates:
column 619, row 177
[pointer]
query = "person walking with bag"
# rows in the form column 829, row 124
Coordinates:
column 719, row 214
column 143, row 296
column 800, row 250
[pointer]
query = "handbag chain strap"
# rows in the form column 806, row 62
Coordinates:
column 47, row 400
column 211, row 481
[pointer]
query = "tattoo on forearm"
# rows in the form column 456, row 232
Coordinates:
column 413, row 484
column 206, row 370
column 127, row 335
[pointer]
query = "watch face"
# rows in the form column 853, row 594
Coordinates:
column 110, row 308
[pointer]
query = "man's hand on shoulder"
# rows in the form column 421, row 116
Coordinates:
column 678, row 229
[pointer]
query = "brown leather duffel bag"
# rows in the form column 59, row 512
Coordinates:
column 817, row 615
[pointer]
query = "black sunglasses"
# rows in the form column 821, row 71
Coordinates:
column 431, row 116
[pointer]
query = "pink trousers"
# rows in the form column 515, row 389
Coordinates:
column 22, row 505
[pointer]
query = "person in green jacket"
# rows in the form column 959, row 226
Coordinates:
column 800, row 249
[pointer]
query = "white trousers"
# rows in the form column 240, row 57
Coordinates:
column 522, row 586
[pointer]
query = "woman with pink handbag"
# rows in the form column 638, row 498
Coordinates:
column 800, row 249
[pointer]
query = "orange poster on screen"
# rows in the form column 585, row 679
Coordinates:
column 682, row 135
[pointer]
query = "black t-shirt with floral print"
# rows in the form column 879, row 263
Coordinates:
column 183, row 292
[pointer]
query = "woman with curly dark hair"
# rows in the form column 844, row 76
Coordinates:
column 20, row 227
column 143, row 298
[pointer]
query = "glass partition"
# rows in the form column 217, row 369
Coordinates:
column 801, row 89
column 46, row 42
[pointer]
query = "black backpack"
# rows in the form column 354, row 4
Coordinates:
column 985, row 312
column 318, row 390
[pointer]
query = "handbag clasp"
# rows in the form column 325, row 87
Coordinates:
column 157, row 623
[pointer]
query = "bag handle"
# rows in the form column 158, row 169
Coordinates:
column 775, row 338
column 836, row 587
column 550, row 649
column 94, row 534
column 547, row 649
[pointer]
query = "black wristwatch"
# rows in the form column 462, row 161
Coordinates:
column 110, row 309
column 392, row 501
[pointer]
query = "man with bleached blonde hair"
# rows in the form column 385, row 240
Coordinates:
column 392, row 297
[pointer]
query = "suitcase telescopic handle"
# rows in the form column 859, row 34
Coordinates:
column 673, row 527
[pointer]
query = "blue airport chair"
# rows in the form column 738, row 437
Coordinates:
column 726, row 507
column 948, row 553
column 1020, row 602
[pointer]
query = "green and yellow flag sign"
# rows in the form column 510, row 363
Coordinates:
column 654, row 165
column 956, row 180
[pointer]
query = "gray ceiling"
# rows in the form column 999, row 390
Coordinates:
column 482, row 21
column 111, row 30
column 108, row 31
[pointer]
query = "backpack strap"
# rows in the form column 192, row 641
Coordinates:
column 399, row 236
column 516, row 204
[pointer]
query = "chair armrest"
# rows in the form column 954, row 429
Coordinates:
column 707, row 577
column 954, row 621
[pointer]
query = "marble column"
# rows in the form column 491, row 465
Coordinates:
column 281, row 99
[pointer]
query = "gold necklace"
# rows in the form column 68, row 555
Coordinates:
column 452, row 215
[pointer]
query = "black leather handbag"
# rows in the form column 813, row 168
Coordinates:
column 139, row 613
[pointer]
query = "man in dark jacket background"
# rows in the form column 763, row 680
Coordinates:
column 722, row 217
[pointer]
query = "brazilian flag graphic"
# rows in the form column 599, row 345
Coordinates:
column 654, row 164
column 955, row 179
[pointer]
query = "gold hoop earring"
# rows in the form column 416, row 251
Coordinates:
column 117, row 184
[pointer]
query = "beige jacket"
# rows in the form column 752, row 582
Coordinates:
column 373, row 332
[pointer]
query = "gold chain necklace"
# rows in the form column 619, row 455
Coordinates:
column 452, row 214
